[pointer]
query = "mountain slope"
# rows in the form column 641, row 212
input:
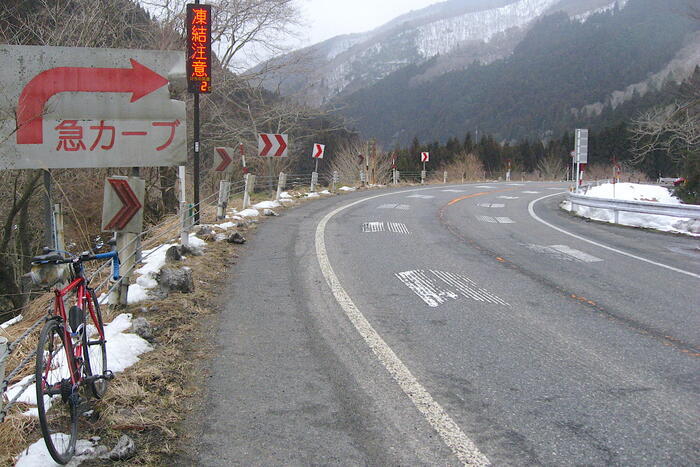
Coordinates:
column 459, row 32
column 560, row 64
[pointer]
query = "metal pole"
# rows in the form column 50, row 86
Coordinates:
column 3, row 357
column 196, row 155
column 49, row 232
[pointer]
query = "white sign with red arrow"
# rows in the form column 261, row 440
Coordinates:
column 272, row 145
column 122, row 210
column 70, row 107
column 225, row 156
column 319, row 150
column 425, row 157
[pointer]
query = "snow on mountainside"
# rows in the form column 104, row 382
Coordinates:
column 458, row 32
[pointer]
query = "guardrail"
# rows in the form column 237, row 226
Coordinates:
column 644, row 207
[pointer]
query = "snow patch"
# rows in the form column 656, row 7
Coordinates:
column 249, row 213
column 267, row 205
column 12, row 321
column 346, row 188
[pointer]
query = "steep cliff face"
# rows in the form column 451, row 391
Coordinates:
column 458, row 32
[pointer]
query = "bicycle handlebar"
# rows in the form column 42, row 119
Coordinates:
column 113, row 255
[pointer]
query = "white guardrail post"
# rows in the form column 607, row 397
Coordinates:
column 281, row 182
column 314, row 181
column 249, row 185
column 3, row 357
column 224, row 190
column 643, row 207
column 334, row 181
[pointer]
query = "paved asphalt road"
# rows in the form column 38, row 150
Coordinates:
column 458, row 328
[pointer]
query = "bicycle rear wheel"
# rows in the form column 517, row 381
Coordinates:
column 95, row 350
column 56, row 403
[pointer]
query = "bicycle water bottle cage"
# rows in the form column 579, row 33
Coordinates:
column 76, row 316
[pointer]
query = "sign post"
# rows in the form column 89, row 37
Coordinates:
column 424, row 157
column 122, row 213
column 198, row 26
column 317, row 154
column 581, row 154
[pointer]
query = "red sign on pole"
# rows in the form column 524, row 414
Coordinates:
column 319, row 150
column 198, row 48
column 425, row 157
column 272, row 145
column 123, row 203
column 225, row 155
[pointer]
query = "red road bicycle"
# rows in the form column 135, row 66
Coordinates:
column 71, row 354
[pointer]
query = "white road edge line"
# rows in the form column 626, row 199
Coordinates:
column 531, row 209
column 451, row 434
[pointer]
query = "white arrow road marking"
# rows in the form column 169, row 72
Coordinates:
column 397, row 227
column 403, row 207
column 426, row 284
column 564, row 253
column 531, row 192
column 421, row 196
column 454, row 191
column 451, row 434
column 509, row 197
column 387, row 206
column 373, row 227
column 491, row 205
column 426, row 288
column 505, row 220
column 531, row 210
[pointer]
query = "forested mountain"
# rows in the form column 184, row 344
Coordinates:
column 454, row 33
column 565, row 72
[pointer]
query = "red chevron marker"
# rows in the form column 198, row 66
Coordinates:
column 319, row 150
column 137, row 80
column 225, row 158
column 131, row 203
column 272, row 145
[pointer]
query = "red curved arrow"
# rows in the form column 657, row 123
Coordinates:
column 319, row 151
column 138, row 80
column 225, row 159
column 283, row 146
column 268, row 144
column 130, row 201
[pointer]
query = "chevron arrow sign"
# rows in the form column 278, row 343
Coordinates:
column 123, row 202
column 319, row 149
column 272, row 145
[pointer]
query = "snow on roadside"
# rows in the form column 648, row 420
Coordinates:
column 12, row 321
column 267, row 205
column 637, row 192
column 37, row 455
column 313, row 195
column 325, row 192
column 346, row 188
column 248, row 213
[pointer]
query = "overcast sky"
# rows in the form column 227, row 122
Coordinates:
column 328, row 18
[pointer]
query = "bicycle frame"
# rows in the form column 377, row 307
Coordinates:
column 72, row 353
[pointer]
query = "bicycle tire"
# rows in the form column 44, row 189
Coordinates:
column 95, row 353
column 59, row 412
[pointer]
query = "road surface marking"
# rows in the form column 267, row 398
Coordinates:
column 468, row 287
column 491, row 205
column 488, row 219
column 483, row 186
column 564, row 253
column 531, row 210
column 454, row 191
column 451, row 434
column 505, row 220
column 579, row 255
column 421, row 196
column 509, row 197
column 397, row 227
column 368, row 227
column 516, row 184
column 387, row 206
column 531, row 192
column 426, row 288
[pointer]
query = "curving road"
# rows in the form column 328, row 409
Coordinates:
column 450, row 325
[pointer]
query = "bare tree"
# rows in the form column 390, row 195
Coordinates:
column 551, row 167
column 466, row 166
column 674, row 130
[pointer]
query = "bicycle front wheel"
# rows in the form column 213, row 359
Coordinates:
column 95, row 349
column 56, row 403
